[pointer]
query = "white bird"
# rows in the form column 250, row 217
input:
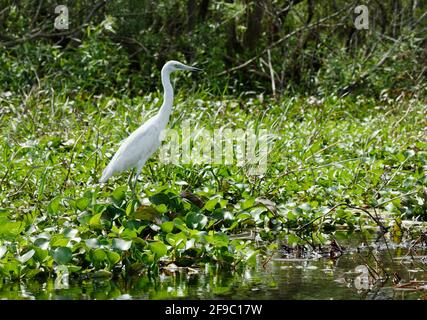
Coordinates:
column 144, row 141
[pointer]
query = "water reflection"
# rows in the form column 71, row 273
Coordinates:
column 362, row 272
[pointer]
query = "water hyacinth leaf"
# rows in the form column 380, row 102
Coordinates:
column 82, row 203
column 119, row 194
column 62, row 255
column 26, row 256
column 220, row 240
column 95, row 221
column 70, row 233
column 40, row 254
column 131, row 207
column 176, row 239
column 251, row 257
column 211, row 204
column 167, row 226
column 129, row 234
column 145, row 213
column 158, row 248
column 98, row 255
column 121, row 244
column 293, row 239
column 102, row 274
column 59, row 241
column 113, row 257
column 180, row 224
column 248, row 203
column 42, row 243
column 92, row 243
column 196, row 220
column 243, row 216
column 10, row 229
column 53, row 206
column 160, row 198
column 3, row 250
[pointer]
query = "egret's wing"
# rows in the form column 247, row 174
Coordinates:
column 135, row 148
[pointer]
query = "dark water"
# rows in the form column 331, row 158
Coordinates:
column 361, row 272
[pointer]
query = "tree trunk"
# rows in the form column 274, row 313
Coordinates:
column 191, row 14
column 203, row 9
column 254, row 24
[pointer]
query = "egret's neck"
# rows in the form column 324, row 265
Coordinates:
column 166, row 108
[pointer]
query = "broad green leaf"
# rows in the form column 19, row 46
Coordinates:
column 220, row 240
column 95, row 221
column 121, row 244
column 145, row 213
column 176, row 239
column 42, row 243
column 3, row 250
column 92, row 243
column 159, row 199
column 53, row 206
column 82, row 203
column 10, row 229
column 113, row 257
column 196, row 220
column 25, row 257
column 167, row 226
column 119, row 194
column 210, row 204
column 62, row 255
column 158, row 248
column 99, row 255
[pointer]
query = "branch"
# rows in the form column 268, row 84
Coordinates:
column 41, row 34
column 289, row 35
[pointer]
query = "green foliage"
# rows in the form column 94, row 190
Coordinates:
column 66, row 104
column 54, row 215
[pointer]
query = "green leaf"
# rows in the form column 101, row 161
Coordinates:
column 220, row 240
column 145, row 213
column 159, row 199
column 196, row 220
column 113, row 257
column 40, row 254
column 158, row 248
column 3, row 250
column 82, row 203
column 119, row 194
column 53, row 206
column 10, row 229
column 179, row 224
column 210, row 205
column 92, row 243
column 293, row 239
column 62, row 255
column 95, row 221
column 167, row 226
column 121, row 244
column 98, row 255
column 25, row 257
column 176, row 239
column 59, row 240
column 248, row 203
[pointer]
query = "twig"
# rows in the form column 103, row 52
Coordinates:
column 289, row 35
column 270, row 66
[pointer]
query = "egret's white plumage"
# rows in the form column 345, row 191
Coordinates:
column 144, row 141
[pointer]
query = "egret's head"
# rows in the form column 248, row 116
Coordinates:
column 173, row 65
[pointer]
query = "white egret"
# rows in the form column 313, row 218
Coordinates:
column 144, row 141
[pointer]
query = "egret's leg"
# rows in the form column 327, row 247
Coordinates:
column 138, row 171
column 130, row 180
